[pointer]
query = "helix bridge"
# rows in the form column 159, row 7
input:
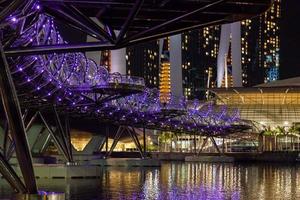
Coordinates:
column 76, row 84
column 42, row 72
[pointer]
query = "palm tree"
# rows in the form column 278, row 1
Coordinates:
column 165, row 138
column 294, row 130
column 280, row 130
column 267, row 131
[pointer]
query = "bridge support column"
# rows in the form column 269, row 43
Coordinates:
column 10, row 175
column 16, row 125
column 56, row 140
column 203, row 145
column 115, row 142
column 135, row 139
column 215, row 144
column 65, row 141
column 133, row 136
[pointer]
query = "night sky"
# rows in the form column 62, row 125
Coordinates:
column 290, row 39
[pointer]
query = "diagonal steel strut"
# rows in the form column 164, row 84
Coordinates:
column 16, row 125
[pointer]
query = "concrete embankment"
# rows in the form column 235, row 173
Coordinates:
column 90, row 170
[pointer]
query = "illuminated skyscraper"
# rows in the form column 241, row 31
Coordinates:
column 260, row 45
column 270, row 43
column 252, row 73
column 259, row 48
column 143, row 60
column 199, row 63
column 170, row 68
column 159, row 63
column 251, row 54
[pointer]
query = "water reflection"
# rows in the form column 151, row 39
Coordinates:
column 186, row 181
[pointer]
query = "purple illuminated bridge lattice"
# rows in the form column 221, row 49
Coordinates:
column 76, row 84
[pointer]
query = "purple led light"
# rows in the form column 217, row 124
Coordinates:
column 14, row 19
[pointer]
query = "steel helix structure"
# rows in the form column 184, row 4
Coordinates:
column 181, row 115
column 70, row 80
column 40, row 70
column 80, row 86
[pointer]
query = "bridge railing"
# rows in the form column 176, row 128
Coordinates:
column 117, row 78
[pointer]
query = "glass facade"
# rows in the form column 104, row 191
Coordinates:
column 266, row 106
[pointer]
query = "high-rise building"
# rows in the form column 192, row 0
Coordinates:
column 269, row 34
column 199, row 53
column 259, row 47
column 252, row 73
column 143, row 60
column 251, row 56
column 159, row 63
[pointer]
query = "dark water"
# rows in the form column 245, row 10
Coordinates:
column 186, row 181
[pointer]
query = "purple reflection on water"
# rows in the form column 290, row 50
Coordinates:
column 45, row 193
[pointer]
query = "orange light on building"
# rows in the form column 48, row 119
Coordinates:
column 165, row 83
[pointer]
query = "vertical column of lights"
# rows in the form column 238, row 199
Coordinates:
column 165, row 82
column 271, row 44
column 149, row 61
column 246, row 27
column 106, row 59
column 128, row 59
column 214, row 38
column 186, row 65
column 165, row 72
column 210, row 46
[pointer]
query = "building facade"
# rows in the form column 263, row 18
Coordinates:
column 261, row 46
column 256, row 52
column 143, row 60
column 199, row 54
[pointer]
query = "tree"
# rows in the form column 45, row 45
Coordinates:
column 294, row 130
column 280, row 130
column 267, row 131
column 165, row 138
